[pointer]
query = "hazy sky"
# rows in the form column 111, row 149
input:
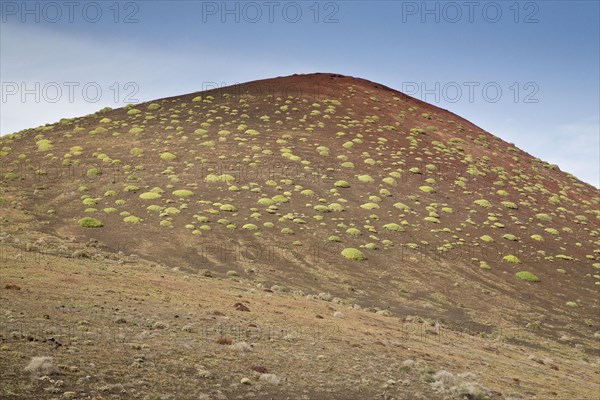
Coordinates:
column 527, row 71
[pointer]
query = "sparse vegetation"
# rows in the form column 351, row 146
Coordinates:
column 353, row 254
column 89, row 222
column 527, row 276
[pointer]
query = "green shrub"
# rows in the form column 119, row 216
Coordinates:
column 44, row 145
column 279, row 199
column 183, row 193
column 154, row 106
column 89, row 222
column 167, row 156
column 432, row 219
column 402, row 206
column 543, row 217
column 150, row 196
column 551, row 231
column 132, row 219
column 342, row 184
column 370, row 206
column 483, row 203
column 334, row 238
column 10, row 176
column 487, row 238
column 131, row 188
column 228, row 207
column 265, row 201
column 365, row 179
column 510, row 237
column 353, row 254
column 509, row 204
column 287, row 231
column 511, row 259
column 353, row 232
column 390, row 181
column 88, row 201
column 393, row 227
column 427, row 189
column 336, row 207
column 571, row 304
column 250, row 227
column 527, row 276
column 93, row 172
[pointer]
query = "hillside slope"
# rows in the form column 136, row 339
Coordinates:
column 323, row 188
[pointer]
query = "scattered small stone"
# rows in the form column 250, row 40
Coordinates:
column 241, row 346
column 270, row 378
column 338, row 314
column 11, row 286
column 245, row 381
column 241, row 307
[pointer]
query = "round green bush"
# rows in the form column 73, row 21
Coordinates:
column 543, row 217
column 393, row 227
column 509, row 204
column 366, row 179
column 527, row 276
column 150, row 196
column 483, row 203
column 353, row 232
column 167, row 156
column 228, row 207
column 402, row 206
column 353, row 254
column 89, row 222
column 280, row 199
column 511, row 259
column 336, row 207
column 132, row 219
column 183, row 193
column 370, row 206
column 487, row 238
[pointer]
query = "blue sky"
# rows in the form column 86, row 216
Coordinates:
column 527, row 72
